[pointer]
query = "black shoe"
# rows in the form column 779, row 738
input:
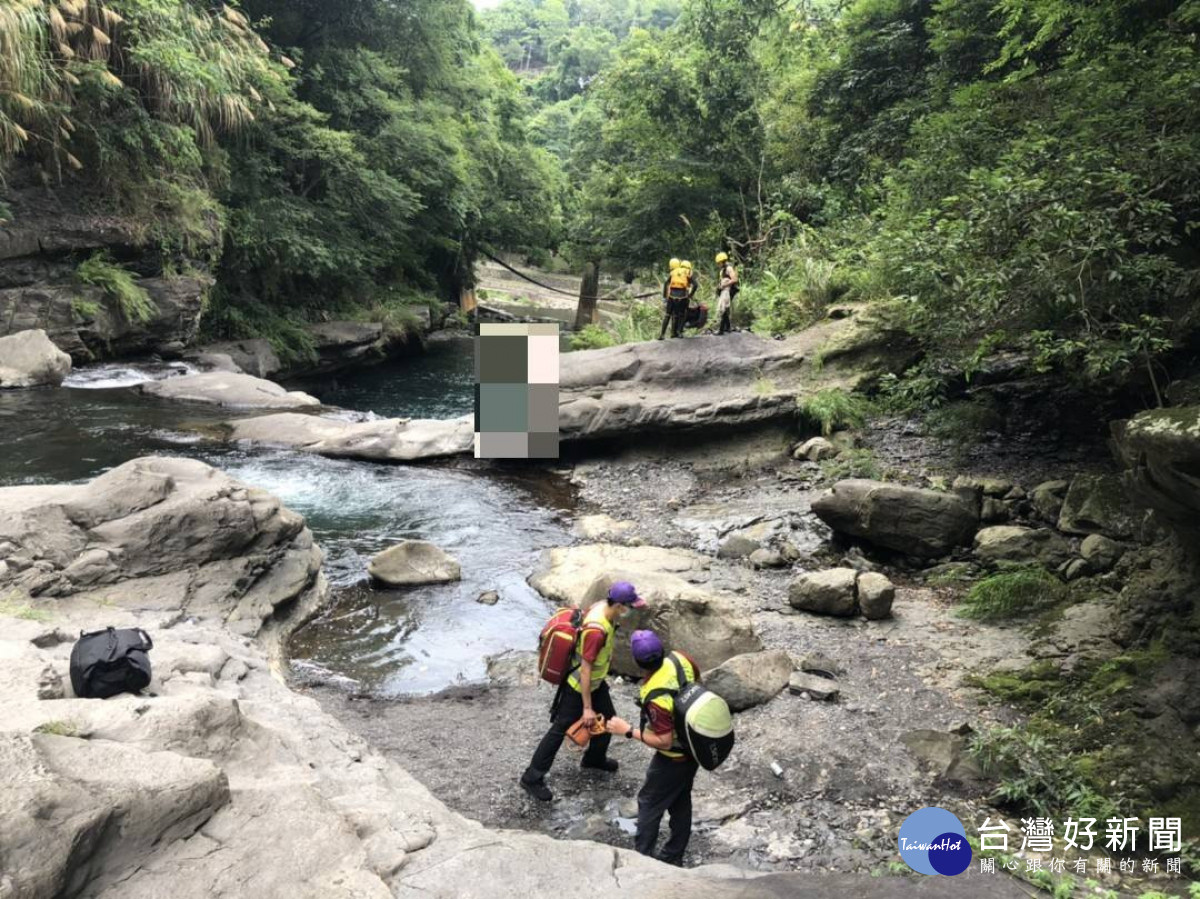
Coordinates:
column 609, row 765
column 537, row 789
column 675, row 860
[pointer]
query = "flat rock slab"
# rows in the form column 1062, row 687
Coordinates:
column 229, row 389
column 814, row 685
column 391, row 439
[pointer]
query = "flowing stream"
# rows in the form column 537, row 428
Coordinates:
column 495, row 520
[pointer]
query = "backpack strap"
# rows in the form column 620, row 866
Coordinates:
column 650, row 697
column 680, row 676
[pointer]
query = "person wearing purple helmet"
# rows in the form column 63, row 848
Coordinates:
column 668, row 785
column 584, row 693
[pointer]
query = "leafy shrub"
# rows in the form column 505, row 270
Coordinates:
column 641, row 321
column 121, row 285
column 833, row 409
column 592, row 337
column 1011, row 593
column 1035, row 773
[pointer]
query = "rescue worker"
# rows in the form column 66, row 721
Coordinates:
column 727, row 289
column 668, row 785
column 585, row 692
column 677, row 290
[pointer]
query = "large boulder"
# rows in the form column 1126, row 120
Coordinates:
column 391, row 439
column 254, row 356
column 1097, row 504
column 229, row 389
column 348, row 344
column 412, row 563
column 654, row 387
column 708, row 626
column 918, row 522
column 169, row 532
column 831, row 592
column 749, row 680
column 1047, row 499
column 1021, row 545
column 1161, row 449
column 30, row 359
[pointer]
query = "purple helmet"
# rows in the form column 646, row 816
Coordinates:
column 647, row 649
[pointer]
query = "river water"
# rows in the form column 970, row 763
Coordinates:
column 494, row 519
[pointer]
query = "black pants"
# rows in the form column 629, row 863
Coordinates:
column 668, row 789
column 570, row 708
column 676, row 316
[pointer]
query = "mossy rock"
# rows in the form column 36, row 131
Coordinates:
column 1097, row 504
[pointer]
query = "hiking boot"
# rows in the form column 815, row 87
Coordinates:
column 609, row 765
column 537, row 789
column 675, row 860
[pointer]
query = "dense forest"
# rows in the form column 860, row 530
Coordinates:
column 1015, row 175
column 1020, row 174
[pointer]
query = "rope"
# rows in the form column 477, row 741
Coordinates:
column 522, row 275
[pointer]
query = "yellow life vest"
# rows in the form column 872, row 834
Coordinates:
column 681, row 279
column 595, row 618
column 665, row 679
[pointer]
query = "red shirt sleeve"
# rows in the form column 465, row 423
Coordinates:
column 593, row 642
column 660, row 721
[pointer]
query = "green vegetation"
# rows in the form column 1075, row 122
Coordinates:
column 1083, row 746
column 1014, row 176
column 57, row 728
column 851, row 463
column 641, row 321
column 834, row 409
column 120, row 284
column 1010, row 594
column 12, row 606
column 85, row 309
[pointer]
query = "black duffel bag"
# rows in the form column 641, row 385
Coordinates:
column 105, row 663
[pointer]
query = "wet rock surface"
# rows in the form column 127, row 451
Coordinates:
column 232, row 390
column 416, row 562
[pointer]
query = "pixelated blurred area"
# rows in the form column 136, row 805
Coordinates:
column 516, row 391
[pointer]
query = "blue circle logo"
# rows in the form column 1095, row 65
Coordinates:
column 933, row 841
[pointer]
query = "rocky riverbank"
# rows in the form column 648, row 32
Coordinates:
column 218, row 780
column 909, row 692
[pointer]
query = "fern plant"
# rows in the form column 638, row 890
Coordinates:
column 120, row 284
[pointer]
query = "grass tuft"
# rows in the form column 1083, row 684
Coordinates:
column 833, row 409
column 1011, row 593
